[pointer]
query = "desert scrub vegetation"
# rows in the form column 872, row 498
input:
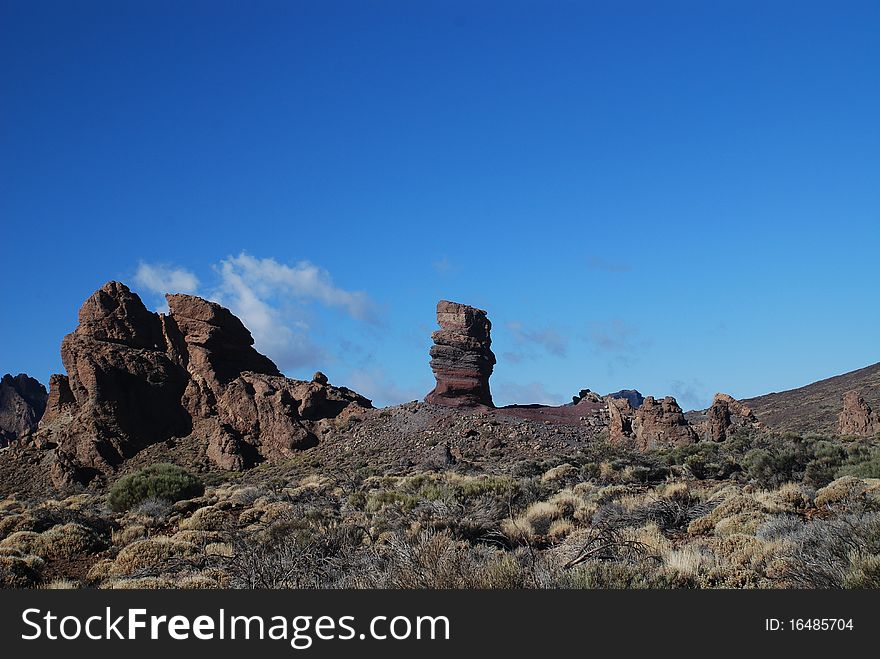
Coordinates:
column 159, row 481
column 751, row 512
column 770, row 460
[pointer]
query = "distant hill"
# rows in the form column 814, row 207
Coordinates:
column 814, row 408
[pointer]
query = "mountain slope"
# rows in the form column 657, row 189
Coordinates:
column 814, row 408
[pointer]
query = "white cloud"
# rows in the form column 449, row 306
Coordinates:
column 283, row 339
column 159, row 278
column 270, row 298
column 303, row 280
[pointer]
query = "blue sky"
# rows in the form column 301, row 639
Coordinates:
column 679, row 197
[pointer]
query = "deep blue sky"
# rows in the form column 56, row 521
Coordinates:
column 681, row 197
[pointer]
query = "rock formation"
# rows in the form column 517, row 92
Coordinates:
column 634, row 397
column 857, row 417
column 22, row 402
column 653, row 425
column 725, row 416
column 620, row 418
column 661, row 424
column 136, row 378
column 61, row 398
column 461, row 357
column 585, row 395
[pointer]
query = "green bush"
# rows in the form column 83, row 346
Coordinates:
column 159, row 481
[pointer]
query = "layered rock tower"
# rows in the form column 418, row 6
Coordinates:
column 461, row 357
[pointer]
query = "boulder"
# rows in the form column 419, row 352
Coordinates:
column 461, row 357
column 857, row 417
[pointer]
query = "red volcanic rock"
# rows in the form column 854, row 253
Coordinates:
column 634, row 397
column 22, row 402
column 136, row 378
column 661, row 424
column 61, row 398
column 620, row 419
column 727, row 415
column 653, row 425
column 857, row 417
column 217, row 343
column 122, row 391
column 461, row 357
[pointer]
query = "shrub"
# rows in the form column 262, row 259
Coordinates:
column 209, row 518
column 19, row 571
column 153, row 557
column 154, row 507
column 790, row 498
column 160, row 481
column 869, row 468
column 625, row 576
column 689, row 560
column 746, row 523
column 780, row 527
column 543, row 519
column 128, row 534
column 22, row 541
column 673, row 511
column 864, row 573
column 68, row 540
column 835, row 553
column 562, row 472
column 742, row 511
column 842, row 491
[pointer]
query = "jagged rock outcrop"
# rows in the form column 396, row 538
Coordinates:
column 857, row 417
column 22, row 403
column 726, row 416
column 136, row 378
column 653, row 425
column 61, row 398
column 126, row 388
column 585, row 395
column 620, row 418
column 658, row 424
column 461, row 357
column 633, row 396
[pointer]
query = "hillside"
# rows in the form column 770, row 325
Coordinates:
column 814, row 407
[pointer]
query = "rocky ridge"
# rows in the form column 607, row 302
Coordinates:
column 22, row 403
column 189, row 383
column 137, row 378
column 814, row 408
